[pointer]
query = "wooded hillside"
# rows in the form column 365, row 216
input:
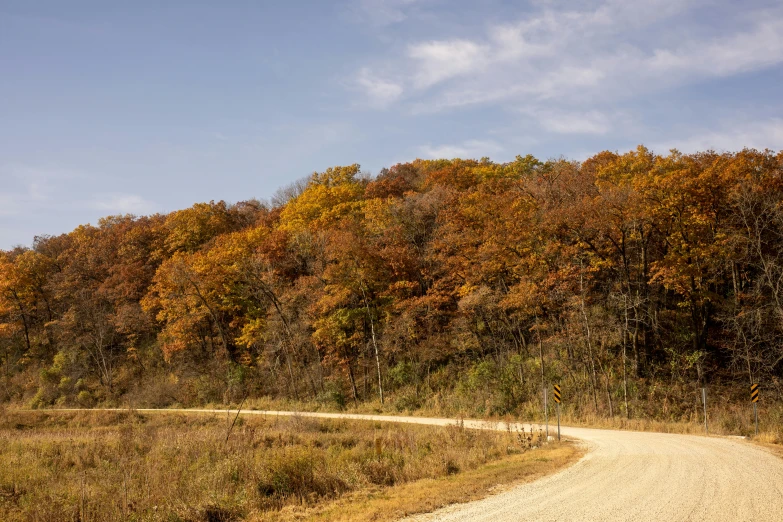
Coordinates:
column 633, row 279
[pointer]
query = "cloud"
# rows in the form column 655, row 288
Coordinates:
column 31, row 186
column 468, row 149
column 438, row 61
column 587, row 54
column 119, row 203
column 758, row 48
column 383, row 12
column 573, row 121
column 735, row 136
column 380, row 93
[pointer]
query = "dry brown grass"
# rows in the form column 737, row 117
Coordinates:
column 97, row 465
column 728, row 419
column 427, row 495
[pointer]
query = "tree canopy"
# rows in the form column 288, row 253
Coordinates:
column 622, row 275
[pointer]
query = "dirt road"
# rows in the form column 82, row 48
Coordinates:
column 631, row 476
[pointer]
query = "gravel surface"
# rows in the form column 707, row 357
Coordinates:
column 642, row 477
column 627, row 475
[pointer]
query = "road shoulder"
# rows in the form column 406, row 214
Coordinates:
column 428, row 495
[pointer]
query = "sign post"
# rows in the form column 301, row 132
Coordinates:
column 557, row 398
column 546, row 412
column 754, row 398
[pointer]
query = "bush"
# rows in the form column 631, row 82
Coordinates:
column 298, row 472
column 333, row 395
column 408, row 401
column 84, row 399
column 402, row 374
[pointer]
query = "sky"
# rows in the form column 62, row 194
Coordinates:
column 115, row 107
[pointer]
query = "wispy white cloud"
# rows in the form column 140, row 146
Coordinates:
column 42, row 199
column 760, row 47
column 733, row 135
column 468, row 149
column 584, row 54
column 29, row 186
column 119, row 203
column 572, row 121
column 440, row 60
column 379, row 92
column 383, row 12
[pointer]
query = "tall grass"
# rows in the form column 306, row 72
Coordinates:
column 126, row 466
column 724, row 416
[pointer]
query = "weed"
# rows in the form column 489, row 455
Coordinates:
column 123, row 465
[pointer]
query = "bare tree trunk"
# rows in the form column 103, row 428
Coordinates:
column 608, row 390
column 365, row 379
column 288, row 346
column 374, row 343
column 312, row 382
column 738, row 326
column 7, row 371
column 541, row 357
column 625, row 360
column 24, row 320
column 594, row 379
column 223, row 337
column 290, row 370
column 98, row 348
column 353, row 385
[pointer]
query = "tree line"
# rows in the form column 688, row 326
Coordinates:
column 627, row 277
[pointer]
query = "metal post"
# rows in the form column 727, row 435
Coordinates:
column 756, row 416
column 546, row 413
column 558, row 422
column 704, row 401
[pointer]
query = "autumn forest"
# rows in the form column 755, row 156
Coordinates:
column 456, row 286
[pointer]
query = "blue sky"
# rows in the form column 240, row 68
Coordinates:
column 138, row 107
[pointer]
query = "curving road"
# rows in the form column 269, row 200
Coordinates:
column 626, row 475
column 638, row 476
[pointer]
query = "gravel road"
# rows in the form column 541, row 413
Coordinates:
column 628, row 475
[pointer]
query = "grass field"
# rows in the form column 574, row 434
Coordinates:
column 723, row 418
column 165, row 466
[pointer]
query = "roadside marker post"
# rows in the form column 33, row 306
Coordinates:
column 557, row 401
column 546, row 413
column 754, row 398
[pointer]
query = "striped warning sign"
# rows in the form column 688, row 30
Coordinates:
column 754, row 393
column 557, row 393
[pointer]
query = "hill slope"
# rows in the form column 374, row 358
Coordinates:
column 454, row 285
